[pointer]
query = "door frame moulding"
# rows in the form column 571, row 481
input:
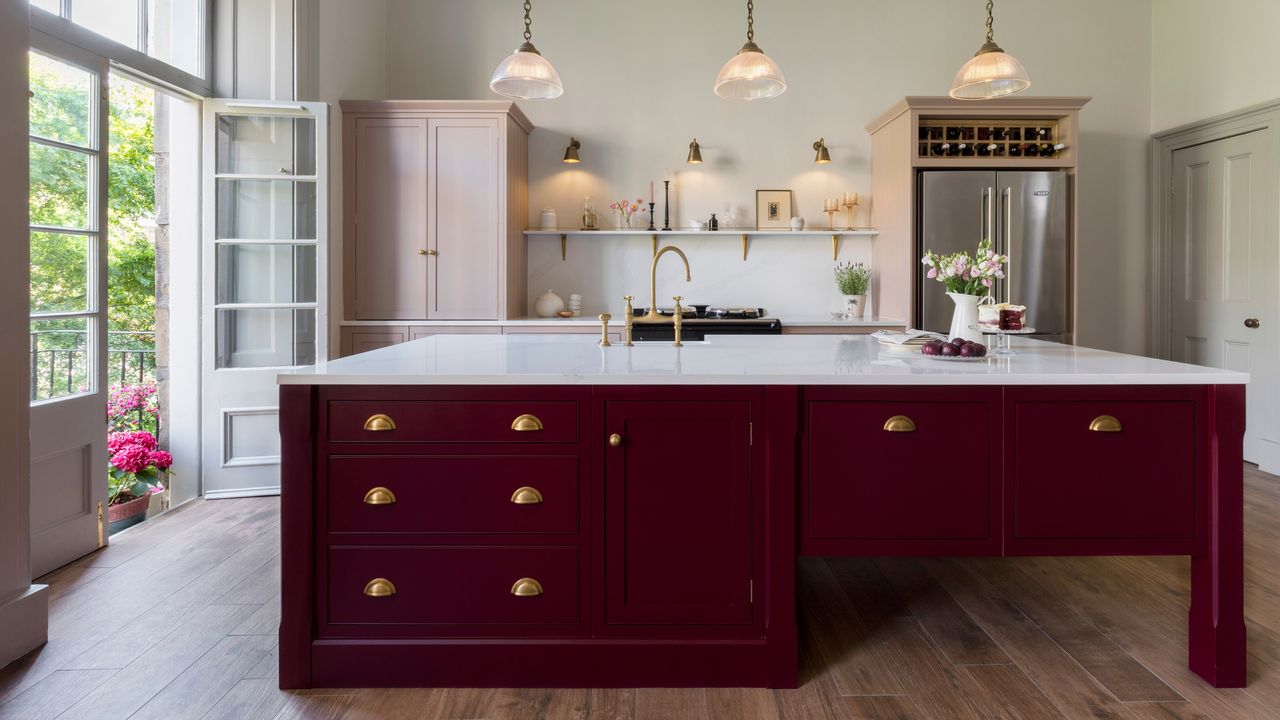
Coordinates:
column 1263, row 116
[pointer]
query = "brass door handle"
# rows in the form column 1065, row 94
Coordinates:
column 615, row 440
column 380, row 496
column 432, row 253
column 1105, row 423
column 1252, row 323
column 900, row 424
column 526, row 496
column 379, row 587
column 526, row 423
column 379, row 423
column 526, row 587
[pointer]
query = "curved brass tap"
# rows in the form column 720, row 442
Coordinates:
column 652, row 316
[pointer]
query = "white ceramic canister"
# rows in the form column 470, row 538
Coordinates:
column 548, row 219
column 548, row 304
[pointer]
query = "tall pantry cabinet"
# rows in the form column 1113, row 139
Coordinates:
column 436, row 198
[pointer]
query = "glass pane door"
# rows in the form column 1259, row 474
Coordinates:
column 264, row 274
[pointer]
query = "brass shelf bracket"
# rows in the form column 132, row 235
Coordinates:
column 564, row 247
column 744, row 247
column 654, row 240
column 835, row 247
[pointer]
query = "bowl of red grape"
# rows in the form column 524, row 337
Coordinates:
column 956, row 349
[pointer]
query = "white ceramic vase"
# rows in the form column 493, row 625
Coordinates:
column 966, row 314
column 549, row 303
column 855, row 307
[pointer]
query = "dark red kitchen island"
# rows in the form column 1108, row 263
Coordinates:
column 538, row 511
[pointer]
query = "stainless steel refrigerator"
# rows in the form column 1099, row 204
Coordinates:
column 1025, row 215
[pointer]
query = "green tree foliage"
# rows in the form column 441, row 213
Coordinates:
column 59, row 196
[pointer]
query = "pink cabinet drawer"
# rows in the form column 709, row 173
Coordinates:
column 909, row 469
column 1131, row 479
column 452, row 585
column 453, row 494
column 452, row 421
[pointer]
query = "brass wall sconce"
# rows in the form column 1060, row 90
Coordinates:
column 823, row 157
column 571, row 152
column 695, row 153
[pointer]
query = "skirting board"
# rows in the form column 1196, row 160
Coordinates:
column 24, row 623
column 242, row 492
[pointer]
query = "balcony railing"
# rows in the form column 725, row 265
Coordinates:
column 60, row 361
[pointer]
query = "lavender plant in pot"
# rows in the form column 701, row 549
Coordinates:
column 968, row 280
column 854, row 280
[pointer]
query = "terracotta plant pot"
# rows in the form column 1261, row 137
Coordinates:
column 127, row 514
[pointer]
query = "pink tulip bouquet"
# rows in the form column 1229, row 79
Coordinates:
column 625, row 210
column 964, row 273
column 137, row 467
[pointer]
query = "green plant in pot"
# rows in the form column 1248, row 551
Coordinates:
column 853, row 280
column 136, row 470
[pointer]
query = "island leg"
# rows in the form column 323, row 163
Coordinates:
column 1216, row 634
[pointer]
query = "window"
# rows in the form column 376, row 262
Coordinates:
column 167, row 30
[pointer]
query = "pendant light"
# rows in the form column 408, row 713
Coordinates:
column 991, row 73
column 525, row 74
column 750, row 75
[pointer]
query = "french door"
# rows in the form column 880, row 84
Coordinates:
column 68, row 373
column 264, row 282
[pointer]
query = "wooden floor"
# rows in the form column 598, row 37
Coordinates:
column 177, row 619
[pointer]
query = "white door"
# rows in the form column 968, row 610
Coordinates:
column 1224, row 254
column 264, row 270
column 68, row 172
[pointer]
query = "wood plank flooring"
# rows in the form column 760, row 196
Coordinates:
column 177, row 619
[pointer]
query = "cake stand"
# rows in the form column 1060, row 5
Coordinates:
column 1002, row 337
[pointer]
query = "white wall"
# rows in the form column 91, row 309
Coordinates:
column 638, row 82
column 352, row 64
column 23, row 606
column 1210, row 58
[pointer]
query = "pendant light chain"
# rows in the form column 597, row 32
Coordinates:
column 751, row 31
column 528, row 35
column 990, row 33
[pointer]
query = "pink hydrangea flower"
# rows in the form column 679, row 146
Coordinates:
column 117, row 441
column 131, row 458
column 161, row 459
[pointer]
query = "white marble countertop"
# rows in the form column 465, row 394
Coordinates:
column 594, row 321
column 735, row 360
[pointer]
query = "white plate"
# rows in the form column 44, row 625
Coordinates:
column 955, row 358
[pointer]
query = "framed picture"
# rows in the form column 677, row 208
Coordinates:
column 773, row 209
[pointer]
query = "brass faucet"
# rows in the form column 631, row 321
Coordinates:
column 653, row 316
column 628, row 319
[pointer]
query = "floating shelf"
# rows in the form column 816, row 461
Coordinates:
column 745, row 234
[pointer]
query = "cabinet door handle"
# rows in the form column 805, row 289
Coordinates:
column 899, row 423
column 615, row 440
column 380, row 496
column 432, row 253
column 379, row 423
column 379, row 587
column 526, row 423
column 1105, row 423
column 1252, row 323
column 526, row 587
column 526, row 496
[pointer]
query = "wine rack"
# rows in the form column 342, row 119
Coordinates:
column 989, row 137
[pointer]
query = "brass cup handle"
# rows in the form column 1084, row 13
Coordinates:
column 899, row 424
column 615, row 440
column 526, row 423
column 1252, row 323
column 379, row 587
column 526, row 587
column 526, row 496
column 379, row 423
column 380, row 496
column 1105, row 423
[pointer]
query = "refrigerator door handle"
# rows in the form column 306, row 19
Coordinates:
column 1006, row 197
column 984, row 219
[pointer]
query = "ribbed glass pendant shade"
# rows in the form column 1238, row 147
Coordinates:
column 992, row 73
column 750, row 75
column 526, row 75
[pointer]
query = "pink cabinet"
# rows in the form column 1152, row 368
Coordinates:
column 679, row 497
column 435, row 202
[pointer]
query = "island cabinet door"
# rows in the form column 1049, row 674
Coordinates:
column 901, row 471
column 679, row 528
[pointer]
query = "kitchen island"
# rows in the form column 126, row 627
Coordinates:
column 511, row 510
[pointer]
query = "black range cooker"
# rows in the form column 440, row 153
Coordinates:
column 698, row 321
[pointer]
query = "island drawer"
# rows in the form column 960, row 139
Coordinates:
column 452, row 585
column 908, row 468
column 450, row 421
column 452, row 494
column 1107, row 464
